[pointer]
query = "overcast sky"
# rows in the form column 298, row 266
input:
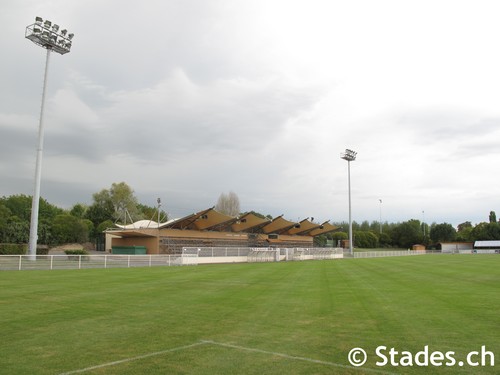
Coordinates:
column 186, row 99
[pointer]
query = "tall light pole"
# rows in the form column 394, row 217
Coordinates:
column 423, row 223
column 349, row 155
column 46, row 35
column 380, row 214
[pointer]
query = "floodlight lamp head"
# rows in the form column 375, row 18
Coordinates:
column 349, row 155
column 70, row 36
column 47, row 35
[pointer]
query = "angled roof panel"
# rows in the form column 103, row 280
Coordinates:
column 326, row 227
column 213, row 220
column 249, row 223
column 304, row 227
column 186, row 222
column 278, row 225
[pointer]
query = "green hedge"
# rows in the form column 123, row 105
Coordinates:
column 77, row 255
column 13, row 249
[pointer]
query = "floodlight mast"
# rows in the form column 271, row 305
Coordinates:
column 48, row 36
column 349, row 155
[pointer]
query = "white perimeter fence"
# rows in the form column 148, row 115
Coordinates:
column 66, row 262
column 260, row 254
column 189, row 256
column 397, row 253
column 193, row 256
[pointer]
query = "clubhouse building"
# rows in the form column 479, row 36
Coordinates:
column 209, row 228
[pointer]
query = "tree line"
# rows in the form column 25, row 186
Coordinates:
column 408, row 233
column 79, row 224
column 84, row 223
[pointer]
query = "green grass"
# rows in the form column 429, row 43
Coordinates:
column 59, row 321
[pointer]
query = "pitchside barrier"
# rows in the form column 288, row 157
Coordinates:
column 194, row 256
column 377, row 254
column 260, row 254
column 60, row 262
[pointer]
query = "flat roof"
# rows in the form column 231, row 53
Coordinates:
column 487, row 244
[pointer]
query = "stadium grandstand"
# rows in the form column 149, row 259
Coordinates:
column 210, row 228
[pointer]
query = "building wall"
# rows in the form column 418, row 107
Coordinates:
column 151, row 243
column 451, row 247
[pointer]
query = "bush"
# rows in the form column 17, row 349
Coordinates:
column 12, row 249
column 76, row 252
column 42, row 250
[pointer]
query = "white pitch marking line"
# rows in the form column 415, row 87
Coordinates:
column 296, row 358
column 134, row 358
column 205, row 342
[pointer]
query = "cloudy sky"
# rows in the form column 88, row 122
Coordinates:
column 186, row 99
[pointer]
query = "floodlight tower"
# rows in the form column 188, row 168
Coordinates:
column 349, row 155
column 46, row 35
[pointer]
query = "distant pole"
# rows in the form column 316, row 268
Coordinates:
column 158, row 200
column 159, row 207
column 46, row 35
column 349, row 155
column 380, row 215
column 423, row 223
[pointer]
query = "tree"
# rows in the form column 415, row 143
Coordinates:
column 124, row 201
column 365, row 239
column 486, row 232
column 67, row 229
column 384, row 239
column 442, row 233
column 78, row 210
column 151, row 213
column 20, row 206
column 464, row 232
column 407, row 234
column 493, row 217
column 228, row 204
column 5, row 214
column 118, row 202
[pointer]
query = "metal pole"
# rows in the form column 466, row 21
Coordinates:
column 380, row 219
column 423, row 222
column 350, row 217
column 38, row 171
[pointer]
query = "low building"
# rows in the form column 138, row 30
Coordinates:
column 455, row 247
column 487, row 246
column 209, row 228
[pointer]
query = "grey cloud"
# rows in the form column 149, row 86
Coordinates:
column 179, row 115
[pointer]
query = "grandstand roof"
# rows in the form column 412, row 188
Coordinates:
column 212, row 220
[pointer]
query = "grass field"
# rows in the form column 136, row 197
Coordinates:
column 265, row 318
